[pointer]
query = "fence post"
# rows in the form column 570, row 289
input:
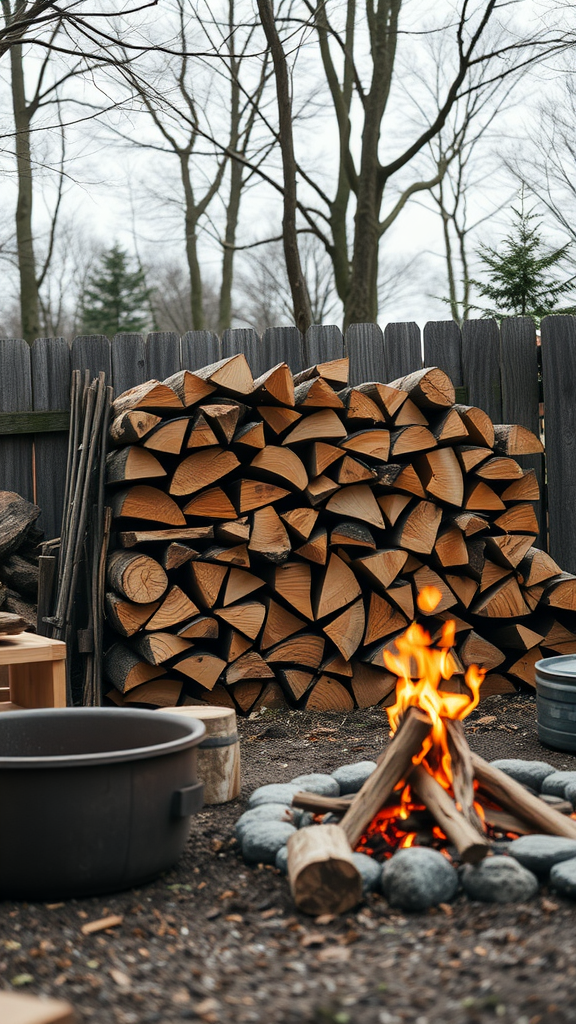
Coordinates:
column 200, row 348
column 402, row 350
column 163, row 355
column 283, row 345
column 323, row 343
column 481, row 366
column 558, row 376
column 51, row 391
column 128, row 362
column 443, row 348
column 521, row 395
column 247, row 341
column 92, row 352
column 365, row 349
column 16, row 396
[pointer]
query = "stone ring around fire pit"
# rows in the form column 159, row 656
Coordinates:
column 420, row 876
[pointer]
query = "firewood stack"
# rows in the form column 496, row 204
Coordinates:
column 270, row 538
column 18, row 559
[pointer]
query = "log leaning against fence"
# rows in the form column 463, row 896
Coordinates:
column 297, row 519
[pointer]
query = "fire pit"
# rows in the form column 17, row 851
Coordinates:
column 429, row 806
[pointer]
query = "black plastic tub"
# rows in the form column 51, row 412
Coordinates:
column 556, row 701
column 93, row 800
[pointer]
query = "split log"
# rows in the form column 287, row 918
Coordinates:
column 409, row 440
column 335, row 371
column 247, row 617
column 206, row 579
column 479, row 426
column 410, row 415
column 449, row 428
column 237, row 555
column 426, row 577
column 382, row 621
column 248, row 666
column 389, row 399
column 519, row 637
column 510, row 549
column 525, row 666
column 189, row 387
column 476, row 650
column 374, row 444
column 292, row 581
column 296, row 681
column 537, row 567
column 232, row 376
column 223, row 418
column 478, row 496
column 450, row 547
column 371, row 685
column 233, row 644
column 320, row 488
column 268, row 537
column 239, row 585
column 125, row 669
column 20, row 574
column 471, row 846
column 513, row 439
column 352, row 534
column 323, row 877
column 201, row 626
column 560, row 592
column 393, row 506
column 503, row 601
column 276, row 385
column 250, row 435
column 323, row 426
column 213, row 503
column 512, row 796
column 129, row 538
column 132, row 463
column 360, row 409
column 280, row 624
column 270, row 697
column 249, row 495
column 301, row 521
column 202, row 469
column 357, row 502
column 347, row 629
column 441, row 475
column 526, row 489
column 306, row 650
column 245, row 694
column 351, row 471
column 157, row 648
column 400, row 478
column 417, row 529
column 131, row 427
column 279, row 420
column 316, row 394
column 203, row 667
column 11, row 624
column 500, row 468
column 278, row 462
column 176, row 607
column 316, row 548
column 151, row 395
column 519, row 518
column 159, row 693
column 136, row 577
column 169, row 436
column 320, row 456
column 429, row 388
column 16, row 519
column 329, row 695
column 201, row 435
column 339, row 587
column 400, row 591
column 175, row 555
column 125, row 616
column 145, row 502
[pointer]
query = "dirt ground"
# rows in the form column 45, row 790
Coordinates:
column 216, row 941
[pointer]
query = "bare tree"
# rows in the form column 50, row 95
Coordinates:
column 377, row 176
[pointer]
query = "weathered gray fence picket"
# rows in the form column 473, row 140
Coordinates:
column 496, row 368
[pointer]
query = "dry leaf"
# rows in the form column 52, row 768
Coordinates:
column 325, row 919
column 226, row 894
column 181, row 996
column 350, row 937
column 312, row 939
column 104, row 922
column 234, row 917
column 333, row 954
column 121, row 979
column 480, row 951
column 206, row 1006
column 548, row 905
column 267, row 914
column 446, row 909
column 486, row 720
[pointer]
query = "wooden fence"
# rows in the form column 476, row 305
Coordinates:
column 498, row 369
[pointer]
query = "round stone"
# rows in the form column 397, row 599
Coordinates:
column 282, row 860
column 556, row 783
column 570, row 792
column 539, row 853
column 351, row 777
column 316, row 782
column 275, row 793
column 498, row 880
column 529, row 773
column 417, row 878
column 302, row 819
column 563, row 878
column 265, row 812
column 262, row 840
column 369, row 869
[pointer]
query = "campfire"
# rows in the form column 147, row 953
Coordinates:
column 429, row 788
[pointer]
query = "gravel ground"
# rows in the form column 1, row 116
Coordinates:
column 216, row 941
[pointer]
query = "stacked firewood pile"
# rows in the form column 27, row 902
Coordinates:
column 270, row 538
column 19, row 540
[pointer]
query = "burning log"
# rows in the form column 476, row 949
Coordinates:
column 515, row 798
column 471, row 846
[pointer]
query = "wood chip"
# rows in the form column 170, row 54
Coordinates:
column 325, row 919
column 334, row 954
column 104, row 922
column 312, row 939
column 119, row 977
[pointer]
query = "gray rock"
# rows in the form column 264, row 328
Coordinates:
column 570, row 793
column 282, row 860
column 262, row 840
column 417, row 878
column 370, row 870
column 275, row 793
column 317, row 782
column 498, row 880
column 563, row 878
column 351, row 777
column 302, row 819
column 539, row 853
column 265, row 812
column 529, row 773
column 556, row 783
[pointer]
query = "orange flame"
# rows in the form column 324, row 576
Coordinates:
column 421, row 669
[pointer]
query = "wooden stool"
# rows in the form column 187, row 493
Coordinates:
column 218, row 753
column 16, row 1009
column 36, row 671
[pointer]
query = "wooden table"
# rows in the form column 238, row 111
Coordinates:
column 36, row 671
column 17, row 1009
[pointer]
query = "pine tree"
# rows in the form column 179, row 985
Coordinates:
column 518, row 282
column 116, row 299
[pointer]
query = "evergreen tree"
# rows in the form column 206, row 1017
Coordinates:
column 116, row 299
column 518, row 279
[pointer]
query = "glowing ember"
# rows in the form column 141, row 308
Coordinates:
column 422, row 668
